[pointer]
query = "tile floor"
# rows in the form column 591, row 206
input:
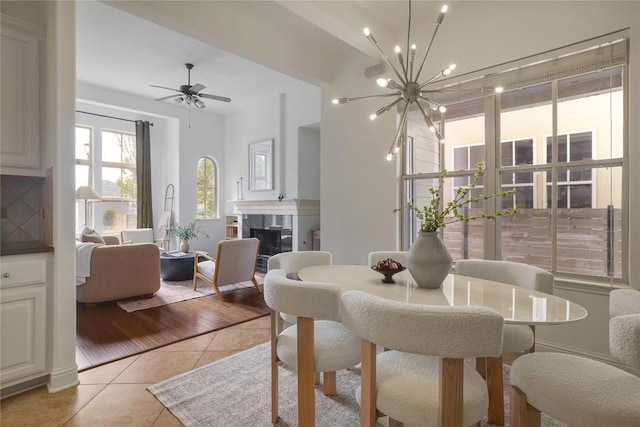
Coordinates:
column 115, row 394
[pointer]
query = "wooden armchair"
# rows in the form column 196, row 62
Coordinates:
column 235, row 262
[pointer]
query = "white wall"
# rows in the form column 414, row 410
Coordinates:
column 308, row 163
column 278, row 117
column 357, row 183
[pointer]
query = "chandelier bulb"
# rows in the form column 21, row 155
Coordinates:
column 382, row 82
column 366, row 31
column 442, row 109
column 373, row 116
column 444, row 9
column 335, row 101
column 446, row 71
column 397, row 149
column 389, row 157
column 452, row 67
column 413, row 47
column 432, row 129
column 499, row 89
column 442, row 141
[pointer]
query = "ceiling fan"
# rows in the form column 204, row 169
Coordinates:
column 191, row 94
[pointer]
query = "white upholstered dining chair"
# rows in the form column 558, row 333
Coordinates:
column 292, row 262
column 422, row 379
column 400, row 256
column 580, row 391
column 517, row 338
column 318, row 342
column 235, row 262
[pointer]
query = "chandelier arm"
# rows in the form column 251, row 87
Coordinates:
column 429, row 122
column 388, row 107
column 385, row 57
column 410, row 66
column 433, row 79
column 360, row 98
column 401, row 128
column 435, row 31
column 409, row 70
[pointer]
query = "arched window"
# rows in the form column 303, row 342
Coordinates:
column 207, row 189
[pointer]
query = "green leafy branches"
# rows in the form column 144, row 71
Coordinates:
column 186, row 232
column 433, row 217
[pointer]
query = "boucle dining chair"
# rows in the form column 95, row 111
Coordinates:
column 317, row 342
column 235, row 262
column 580, row 391
column 400, row 256
column 422, row 379
column 292, row 262
column 517, row 338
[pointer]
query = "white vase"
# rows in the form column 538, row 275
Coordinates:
column 429, row 260
column 184, row 245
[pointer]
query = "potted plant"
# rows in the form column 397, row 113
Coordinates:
column 185, row 233
column 428, row 259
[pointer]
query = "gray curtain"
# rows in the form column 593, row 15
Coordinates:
column 143, row 170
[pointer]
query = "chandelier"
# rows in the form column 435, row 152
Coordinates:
column 407, row 88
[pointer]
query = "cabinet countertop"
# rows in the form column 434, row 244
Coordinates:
column 26, row 247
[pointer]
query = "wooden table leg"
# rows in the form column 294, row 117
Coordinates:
column 495, row 385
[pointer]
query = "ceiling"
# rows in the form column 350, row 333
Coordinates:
column 285, row 40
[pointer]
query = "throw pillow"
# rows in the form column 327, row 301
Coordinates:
column 89, row 235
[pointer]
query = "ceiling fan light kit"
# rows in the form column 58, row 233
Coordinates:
column 190, row 94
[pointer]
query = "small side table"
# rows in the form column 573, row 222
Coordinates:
column 176, row 266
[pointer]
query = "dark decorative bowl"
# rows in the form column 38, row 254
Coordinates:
column 388, row 274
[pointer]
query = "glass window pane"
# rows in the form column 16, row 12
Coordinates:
column 526, row 116
column 118, row 147
column 425, row 157
column 83, row 143
column 524, row 152
column 506, row 153
column 118, row 215
column 526, row 236
column 460, row 158
column 593, row 101
column 119, row 183
column 83, row 177
column 580, row 146
column 476, row 155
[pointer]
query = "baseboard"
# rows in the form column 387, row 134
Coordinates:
column 61, row 379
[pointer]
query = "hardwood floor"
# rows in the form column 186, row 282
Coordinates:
column 107, row 332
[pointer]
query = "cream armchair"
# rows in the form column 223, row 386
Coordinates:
column 141, row 235
column 234, row 262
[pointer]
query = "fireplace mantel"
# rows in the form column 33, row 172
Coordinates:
column 295, row 207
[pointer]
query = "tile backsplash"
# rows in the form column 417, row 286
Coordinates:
column 22, row 208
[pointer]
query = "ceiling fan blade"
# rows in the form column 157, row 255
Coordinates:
column 197, row 88
column 217, row 98
column 162, row 87
column 168, row 97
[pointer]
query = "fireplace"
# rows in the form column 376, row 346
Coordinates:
column 270, row 240
column 292, row 219
column 270, row 244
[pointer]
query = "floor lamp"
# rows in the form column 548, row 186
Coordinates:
column 87, row 194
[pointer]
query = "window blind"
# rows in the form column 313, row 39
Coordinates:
column 602, row 56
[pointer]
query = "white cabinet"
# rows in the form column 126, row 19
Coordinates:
column 23, row 318
column 20, row 137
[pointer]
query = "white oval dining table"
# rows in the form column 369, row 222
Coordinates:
column 517, row 305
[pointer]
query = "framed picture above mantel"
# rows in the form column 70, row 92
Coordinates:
column 261, row 165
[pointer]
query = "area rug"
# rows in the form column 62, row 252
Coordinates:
column 171, row 292
column 236, row 391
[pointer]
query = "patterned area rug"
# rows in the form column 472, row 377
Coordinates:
column 236, row 391
column 171, row 292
